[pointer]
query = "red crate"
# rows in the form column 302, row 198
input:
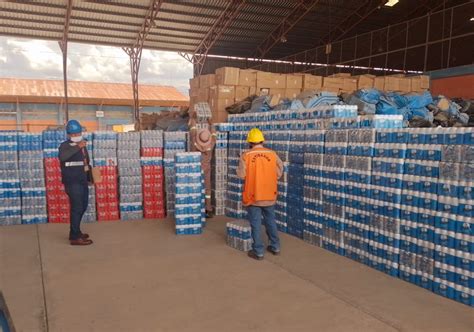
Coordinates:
column 106, row 194
column 56, row 198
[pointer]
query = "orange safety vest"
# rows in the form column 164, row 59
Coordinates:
column 261, row 177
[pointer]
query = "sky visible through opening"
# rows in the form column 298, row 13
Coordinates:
column 40, row 59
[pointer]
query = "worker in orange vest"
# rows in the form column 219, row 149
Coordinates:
column 260, row 168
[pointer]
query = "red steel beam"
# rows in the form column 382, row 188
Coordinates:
column 301, row 8
column 135, row 53
column 199, row 56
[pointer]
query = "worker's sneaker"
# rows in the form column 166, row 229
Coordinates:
column 84, row 236
column 253, row 255
column 273, row 251
column 81, row 242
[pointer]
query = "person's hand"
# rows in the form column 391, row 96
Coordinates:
column 82, row 144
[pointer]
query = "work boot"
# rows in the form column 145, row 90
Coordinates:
column 273, row 251
column 84, row 236
column 253, row 254
column 81, row 242
column 209, row 214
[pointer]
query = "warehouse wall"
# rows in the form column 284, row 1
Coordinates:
column 453, row 82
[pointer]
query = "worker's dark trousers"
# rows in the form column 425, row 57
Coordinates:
column 78, row 198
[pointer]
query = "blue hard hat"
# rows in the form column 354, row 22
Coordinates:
column 73, row 127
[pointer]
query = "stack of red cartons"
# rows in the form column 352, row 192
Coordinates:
column 106, row 193
column 152, row 177
column 56, row 198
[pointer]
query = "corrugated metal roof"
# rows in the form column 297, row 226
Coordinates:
column 181, row 24
column 83, row 92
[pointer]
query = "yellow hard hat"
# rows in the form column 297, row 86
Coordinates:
column 255, row 136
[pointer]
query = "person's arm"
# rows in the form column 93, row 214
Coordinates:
column 241, row 170
column 279, row 167
column 66, row 150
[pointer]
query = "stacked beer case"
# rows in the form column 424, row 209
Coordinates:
column 237, row 145
column 32, row 182
column 56, row 197
column 106, row 192
column 219, row 173
column 10, row 194
column 152, row 174
column 189, row 193
column 130, row 176
column 174, row 142
column 90, row 215
column 239, row 235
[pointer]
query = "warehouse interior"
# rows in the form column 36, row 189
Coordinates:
column 368, row 104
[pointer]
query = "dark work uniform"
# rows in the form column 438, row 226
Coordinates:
column 75, row 179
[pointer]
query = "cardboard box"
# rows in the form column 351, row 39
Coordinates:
column 294, row 81
column 333, row 82
column 194, row 83
column 261, row 91
column 350, row 84
column 203, row 94
column 206, row 81
column 271, row 80
column 312, row 82
column 392, row 83
column 248, row 77
column 379, row 83
column 193, row 92
column 277, row 94
column 227, row 76
column 420, row 83
column 292, row 93
column 241, row 92
column 365, row 81
column 219, row 105
column 404, row 84
column 222, row 92
column 219, row 116
column 252, row 90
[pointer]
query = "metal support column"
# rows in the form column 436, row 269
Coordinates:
column 19, row 118
column 135, row 54
column 63, row 46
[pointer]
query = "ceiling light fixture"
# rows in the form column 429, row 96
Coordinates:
column 472, row 19
column 391, row 3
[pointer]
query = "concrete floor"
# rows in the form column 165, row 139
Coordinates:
column 139, row 276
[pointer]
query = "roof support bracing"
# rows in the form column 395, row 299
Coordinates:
column 279, row 33
column 353, row 19
column 199, row 56
column 63, row 46
column 135, row 53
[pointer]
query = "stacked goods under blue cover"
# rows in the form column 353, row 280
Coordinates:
column 239, row 235
column 10, row 194
column 130, row 176
column 32, row 182
column 237, row 145
column 174, row 142
column 188, row 193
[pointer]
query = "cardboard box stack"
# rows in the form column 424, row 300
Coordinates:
column 229, row 85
